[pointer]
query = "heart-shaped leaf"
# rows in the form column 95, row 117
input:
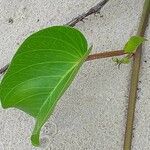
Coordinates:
column 40, row 72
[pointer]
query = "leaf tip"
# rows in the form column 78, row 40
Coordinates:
column 35, row 140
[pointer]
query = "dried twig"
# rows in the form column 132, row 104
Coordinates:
column 135, row 78
column 2, row 70
column 93, row 10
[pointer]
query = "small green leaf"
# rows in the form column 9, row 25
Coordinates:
column 124, row 60
column 133, row 43
column 116, row 60
column 41, row 71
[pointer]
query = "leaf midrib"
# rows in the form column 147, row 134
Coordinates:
column 78, row 63
column 60, row 82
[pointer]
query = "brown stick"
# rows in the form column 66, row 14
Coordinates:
column 91, row 11
column 135, row 78
column 2, row 70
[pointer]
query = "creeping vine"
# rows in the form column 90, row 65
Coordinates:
column 26, row 81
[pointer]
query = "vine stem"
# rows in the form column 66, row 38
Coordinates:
column 90, row 57
column 135, row 78
column 105, row 55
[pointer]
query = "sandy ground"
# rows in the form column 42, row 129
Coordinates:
column 92, row 113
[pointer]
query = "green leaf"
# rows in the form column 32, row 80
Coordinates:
column 133, row 43
column 124, row 60
column 41, row 71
